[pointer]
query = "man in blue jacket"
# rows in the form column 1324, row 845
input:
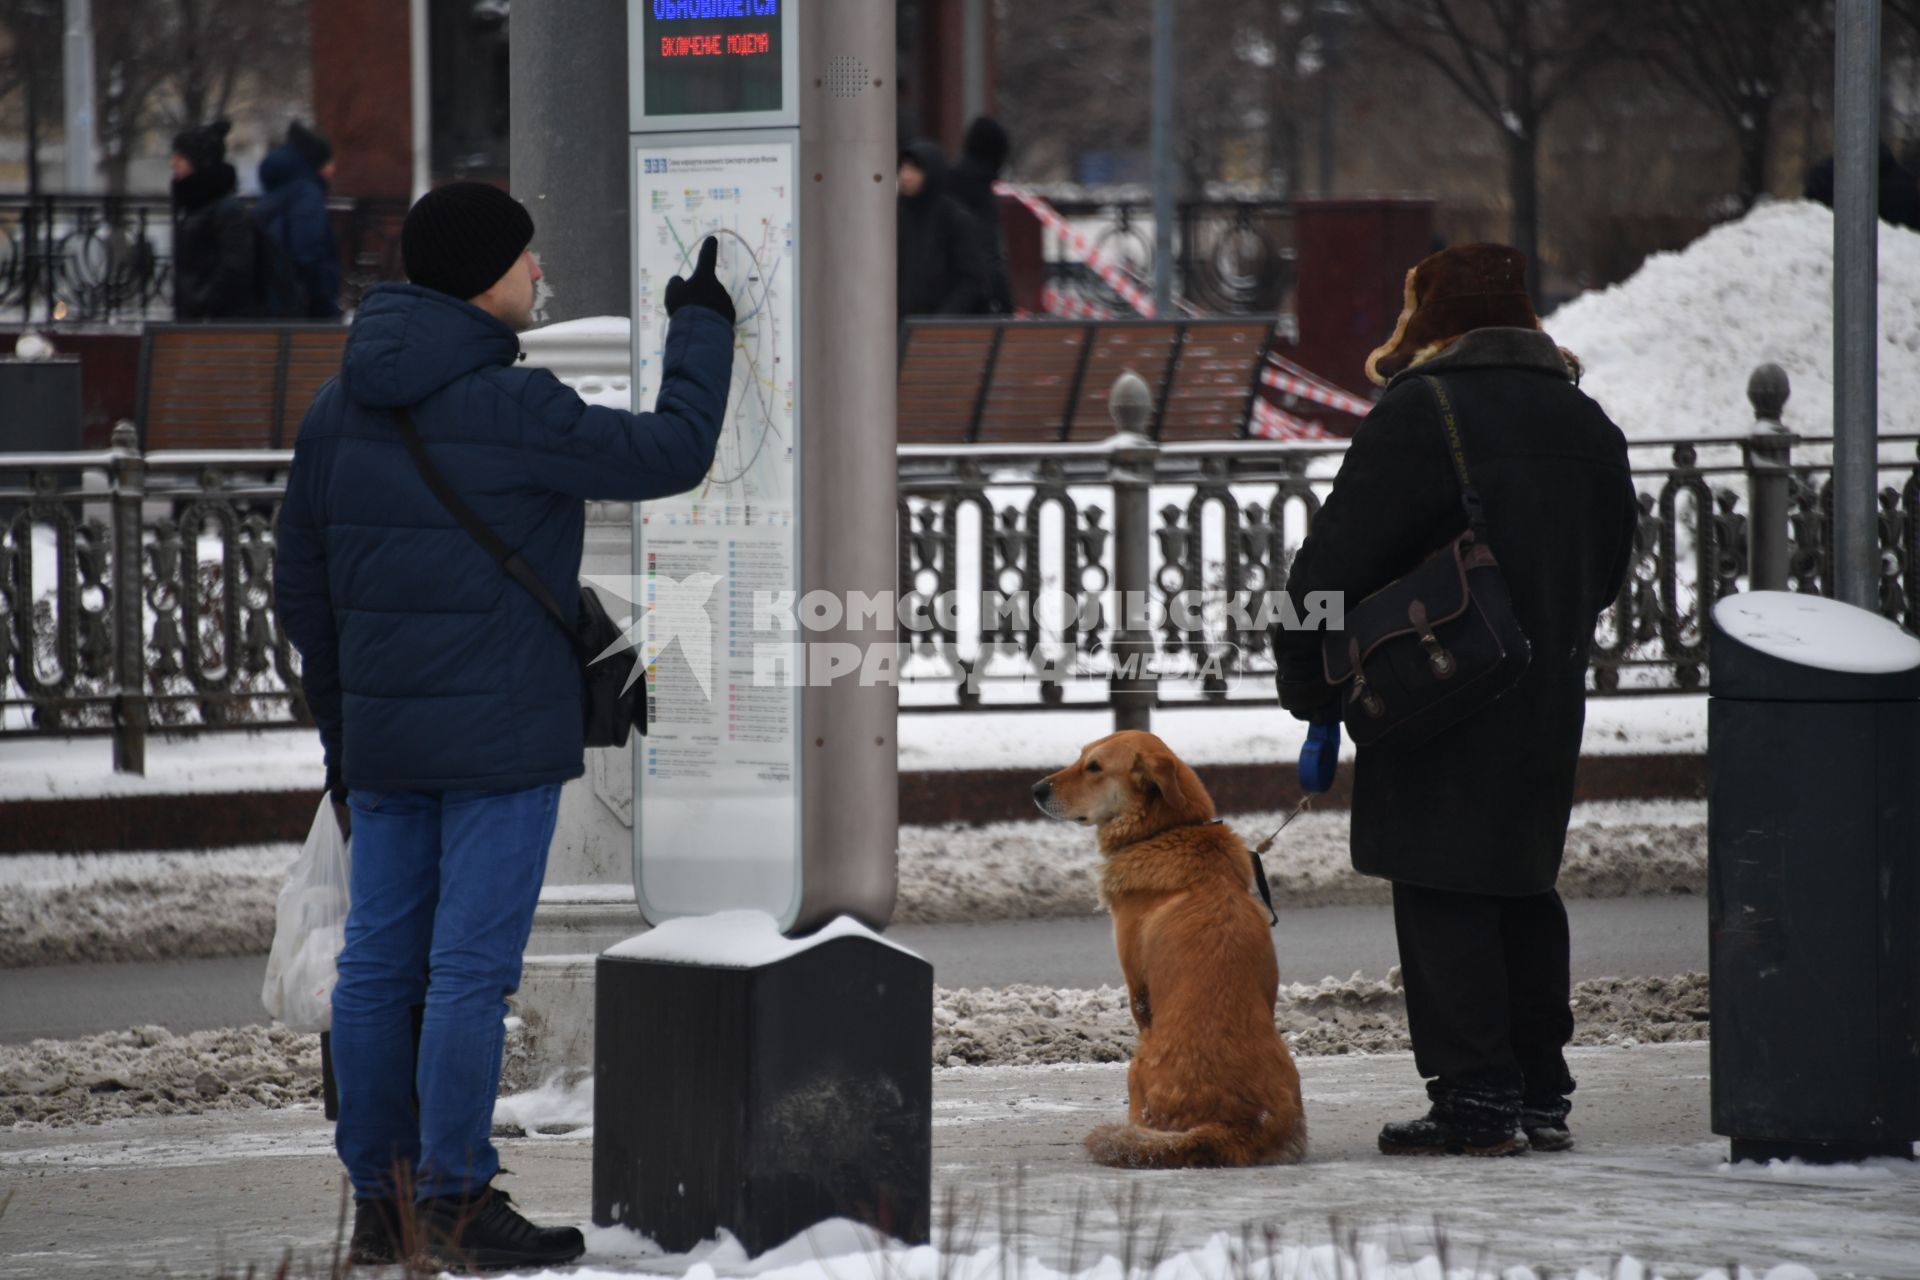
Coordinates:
column 448, row 700
column 292, row 213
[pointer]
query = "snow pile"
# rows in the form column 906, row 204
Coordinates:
column 1668, row 352
column 556, row 1107
column 1033, row 870
column 97, row 908
column 1032, row 1026
column 841, row 1248
column 149, row 1071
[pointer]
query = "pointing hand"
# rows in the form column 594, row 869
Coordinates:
column 704, row 288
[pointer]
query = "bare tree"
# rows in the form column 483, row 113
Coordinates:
column 31, row 29
column 1513, row 61
column 1739, row 58
column 173, row 63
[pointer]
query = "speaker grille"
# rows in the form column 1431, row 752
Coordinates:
column 847, row 77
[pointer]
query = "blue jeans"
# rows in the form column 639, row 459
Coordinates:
column 444, row 887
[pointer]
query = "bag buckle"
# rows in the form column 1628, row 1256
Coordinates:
column 1369, row 701
column 1438, row 659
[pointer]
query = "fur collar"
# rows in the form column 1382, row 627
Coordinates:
column 1497, row 349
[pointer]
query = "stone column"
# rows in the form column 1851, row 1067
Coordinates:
column 567, row 66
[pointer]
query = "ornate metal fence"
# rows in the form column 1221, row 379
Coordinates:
column 1232, row 256
column 176, row 550
column 109, row 260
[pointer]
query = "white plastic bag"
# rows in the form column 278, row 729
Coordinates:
column 310, row 926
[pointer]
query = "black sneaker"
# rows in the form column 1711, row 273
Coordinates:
column 485, row 1233
column 1428, row 1136
column 376, row 1234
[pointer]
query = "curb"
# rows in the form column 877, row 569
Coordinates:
column 110, row 824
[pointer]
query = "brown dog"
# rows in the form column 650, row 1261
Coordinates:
column 1211, row 1082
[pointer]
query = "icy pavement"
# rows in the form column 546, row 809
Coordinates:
column 68, row 908
column 1646, row 1180
column 148, row 1071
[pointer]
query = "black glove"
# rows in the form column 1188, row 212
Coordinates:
column 703, row 289
column 336, row 786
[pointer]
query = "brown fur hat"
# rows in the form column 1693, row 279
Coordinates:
column 1470, row 286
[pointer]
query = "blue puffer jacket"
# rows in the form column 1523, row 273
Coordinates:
column 425, row 666
column 293, row 213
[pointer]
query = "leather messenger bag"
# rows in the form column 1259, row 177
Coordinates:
column 1431, row 648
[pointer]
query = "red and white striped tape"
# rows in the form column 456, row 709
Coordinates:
column 1283, row 375
column 1057, row 303
column 1115, row 274
column 1269, row 422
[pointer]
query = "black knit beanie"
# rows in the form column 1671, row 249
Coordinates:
column 204, row 145
column 461, row 238
column 312, row 146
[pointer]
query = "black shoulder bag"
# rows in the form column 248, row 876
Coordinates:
column 611, row 708
column 1431, row 648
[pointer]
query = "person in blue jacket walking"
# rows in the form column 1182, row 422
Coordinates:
column 292, row 213
column 448, row 700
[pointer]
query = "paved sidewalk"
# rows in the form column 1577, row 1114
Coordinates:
column 186, row 1194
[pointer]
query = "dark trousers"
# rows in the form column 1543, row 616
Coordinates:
column 1488, row 987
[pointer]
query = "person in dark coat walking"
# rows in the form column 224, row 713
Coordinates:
column 293, row 214
column 943, row 270
column 215, row 266
column 983, row 155
column 1899, row 189
column 448, row 700
column 1470, row 825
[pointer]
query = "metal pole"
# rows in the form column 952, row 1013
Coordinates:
column 1856, row 253
column 129, row 603
column 1163, row 177
column 567, row 68
column 1328, row 135
column 418, row 35
column 1769, row 459
column 973, row 89
column 79, row 97
column 1132, row 687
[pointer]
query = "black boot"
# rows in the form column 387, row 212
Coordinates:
column 1435, row 1135
column 1546, row 1125
column 484, row 1232
column 376, row 1234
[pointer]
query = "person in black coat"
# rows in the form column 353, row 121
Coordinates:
column 943, row 268
column 293, row 214
column 983, row 156
column 215, row 267
column 1899, row 189
column 1470, row 825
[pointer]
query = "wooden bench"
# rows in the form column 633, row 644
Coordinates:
column 229, row 386
column 1044, row 381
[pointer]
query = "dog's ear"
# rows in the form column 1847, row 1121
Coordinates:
column 1161, row 773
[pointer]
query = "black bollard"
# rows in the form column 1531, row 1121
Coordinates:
column 1813, row 869
column 761, row 1088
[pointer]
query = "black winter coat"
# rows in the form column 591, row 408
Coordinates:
column 1482, row 807
column 215, row 266
column 943, row 262
column 973, row 188
column 293, row 213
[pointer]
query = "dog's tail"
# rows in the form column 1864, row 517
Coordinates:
column 1205, row 1146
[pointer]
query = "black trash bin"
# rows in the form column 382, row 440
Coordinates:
column 1813, row 838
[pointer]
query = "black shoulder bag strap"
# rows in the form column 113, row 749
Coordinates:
column 517, row 568
column 1469, row 496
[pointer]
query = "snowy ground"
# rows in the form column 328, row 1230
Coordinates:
column 73, row 908
column 1648, row 1179
column 289, row 759
column 151, row 1072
